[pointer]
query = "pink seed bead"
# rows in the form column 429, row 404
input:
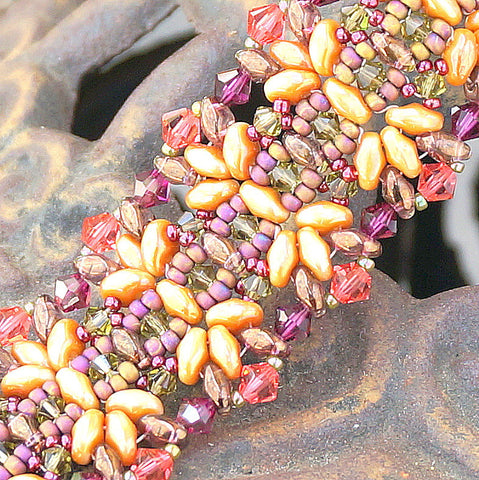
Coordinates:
column 424, row 66
column 359, row 36
column 281, row 106
column 408, row 90
column 376, row 18
column 342, row 35
column 441, row 66
column 266, row 142
column 173, row 232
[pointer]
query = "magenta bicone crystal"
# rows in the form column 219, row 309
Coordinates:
column 293, row 322
column 72, row 292
column 233, row 87
column 379, row 221
column 151, row 188
column 465, row 122
column 196, row 414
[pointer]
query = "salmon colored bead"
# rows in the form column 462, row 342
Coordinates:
column 369, row 160
column 120, row 434
column 63, row 343
column 225, row 351
column 179, row 301
column 324, row 217
column 76, row 388
column 210, row 194
column 235, row 314
column 192, row 354
column 87, row 434
column 22, row 380
column 128, row 248
column 292, row 85
column 472, row 21
column 135, row 403
column 314, row 253
column 460, row 56
column 448, row 10
column 26, row 352
column 324, row 47
column 207, row 161
column 415, row 119
column 291, row 55
column 282, row 258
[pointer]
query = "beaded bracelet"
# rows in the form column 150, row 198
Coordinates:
column 182, row 301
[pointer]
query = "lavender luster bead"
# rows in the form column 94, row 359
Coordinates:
column 290, row 202
column 80, row 363
column 182, row 262
column 22, row 452
column 64, row 423
column 74, row 411
column 151, row 300
column 27, row 407
column 176, row 276
column 220, row 227
column 237, row 203
column 226, row 213
column 37, row 395
column 4, row 433
column 248, row 251
column 219, row 291
column 4, row 473
column 266, row 161
column 262, row 242
column 138, row 308
column 154, row 347
column 205, row 300
column 259, row 175
column 91, row 353
column 131, row 322
column 170, row 340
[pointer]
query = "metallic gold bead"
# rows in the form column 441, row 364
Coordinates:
column 196, row 108
column 331, row 301
column 29, row 308
column 458, row 167
column 168, row 151
column 276, row 363
column 238, row 400
column 173, row 450
column 366, row 263
column 421, row 202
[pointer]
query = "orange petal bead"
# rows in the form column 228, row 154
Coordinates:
column 27, row 352
column 207, row 161
column 128, row 248
column 76, row 388
column 472, row 21
column 401, row 152
column 156, row 248
column 209, row 194
column 87, row 434
column 22, row 380
column 127, row 284
column 135, row 403
column 239, row 152
column 292, row 85
column 179, row 301
column 415, row 119
column 347, row 101
column 120, row 434
column 369, row 160
column 324, row 47
column 314, row 253
column 235, row 315
column 460, row 56
column 225, row 351
column 282, row 258
column 26, row 476
column 63, row 344
column 448, row 10
column 192, row 354
column 264, row 202
column 324, row 216
column 291, row 55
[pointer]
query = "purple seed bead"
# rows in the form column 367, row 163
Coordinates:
column 220, row 227
column 154, row 347
column 137, row 308
column 4, row 433
column 64, row 423
column 350, row 58
column 37, row 395
column 103, row 390
column 248, row 251
column 104, row 344
column 151, row 300
column 319, row 101
column 176, row 276
column 81, row 364
column 330, row 150
column 226, row 213
column 52, row 388
column 48, row 428
column 311, row 178
column 237, row 203
column 301, row 126
column 389, row 91
column 396, row 77
column 269, row 228
column 170, row 340
column 27, row 407
column 259, row 175
column 290, row 202
column 157, row 361
column 182, row 262
column 91, row 353
column 130, row 322
column 74, row 411
column 262, row 242
column 305, row 110
column 23, row 453
column 196, row 253
column 4, row 473
column 205, row 300
column 219, row 291
column 14, row 465
column 266, row 161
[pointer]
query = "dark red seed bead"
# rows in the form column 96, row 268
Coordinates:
column 323, row 188
column 341, row 201
column 171, row 364
column 281, row 106
column 51, row 476
column 432, row 103
column 350, row 174
column 173, row 232
column 239, row 289
column 116, row 319
column 262, row 268
column 83, row 334
column 52, row 441
column 424, row 66
column 204, row 214
column 339, row 164
column 359, row 36
column 157, row 361
column 253, row 134
column 186, row 238
column 67, row 441
column 33, row 463
column 376, row 18
column 142, row 382
column 441, row 66
column 266, row 142
column 207, row 224
column 343, row 35
column 251, row 264
column 408, row 90
column 112, row 303
column 287, row 121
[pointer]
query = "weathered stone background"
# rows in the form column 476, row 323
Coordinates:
column 385, row 390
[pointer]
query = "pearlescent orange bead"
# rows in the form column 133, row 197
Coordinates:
column 401, row 152
column 324, row 47
column 27, row 352
column 225, row 351
column 239, row 152
column 264, row 202
column 192, row 354
column 63, row 344
column 26, row 476
column 292, row 85
column 347, row 100
column 282, row 258
column 156, row 248
column 472, row 21
column 415, row 119
column 127, row 284
column 87, row 434
column 128, row 248
column 324, row 216
column 207, row 161
column 448, row 10
column 460, row 56
column 22, row 380
column 179, row 301
column 76, row 388
column 369, row 160
column 120, row 434
column 291, row 55
column 314, row 253
column 235, row 315
column 209, row 194
column 134, row 403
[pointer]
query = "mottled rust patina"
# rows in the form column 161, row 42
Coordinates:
column 384, row 390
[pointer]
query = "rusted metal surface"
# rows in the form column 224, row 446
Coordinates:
column 384, row 390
